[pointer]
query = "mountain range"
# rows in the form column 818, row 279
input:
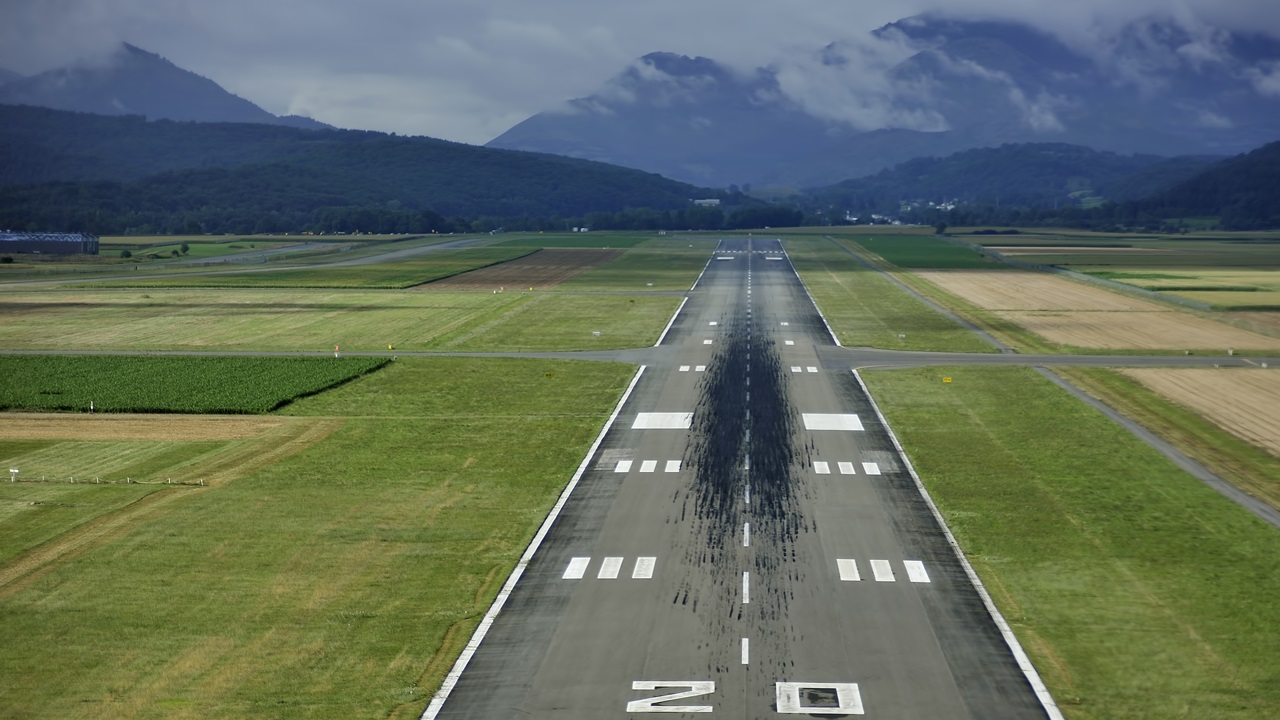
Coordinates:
column 920, row 87
column 132, row 81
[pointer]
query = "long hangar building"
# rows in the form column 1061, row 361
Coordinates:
column 49, row 243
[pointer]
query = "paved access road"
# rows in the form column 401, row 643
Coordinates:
column 745, row 542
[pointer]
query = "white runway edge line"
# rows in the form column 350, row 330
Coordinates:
column 671, row 322
column 704, row 270
column 791, row 265
column 451, row 680
column 1024, row 662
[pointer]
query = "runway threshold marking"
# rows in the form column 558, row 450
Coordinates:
column 700, row 368
column 846, row 468
column 812, row 369
column 577, row 568
column 848, row 700
column 684, row 368
column 673, row 466
column 848, row 570
column 663, row 421
column 644, row 568
column 871, row 468
column 648, row 466
column 791, row 342
column 609, row 568
column 821, row 468
column 622, row 466
column 882, row 570
column 706, row 342
column 824, row 421
column 915, row 571
column 796, row 368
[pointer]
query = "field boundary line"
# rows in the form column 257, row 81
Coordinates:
column 1019, row 655
column 830, row 332
column 451, row 680
column 671, row 322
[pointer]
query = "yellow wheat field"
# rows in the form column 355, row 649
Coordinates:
column 1245, row 403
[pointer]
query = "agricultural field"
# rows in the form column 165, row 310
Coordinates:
column 224, row 319
column 671, row 269
column 338, row 580
column 1075, row 314
column 140, row 384
column 922, row 251
column 399, row 274
column 1137, row 591
column 542, row 270
column 1244, row 402
column 600, row 240
column 866, row 310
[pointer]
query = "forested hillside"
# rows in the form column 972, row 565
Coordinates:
column 109, row 175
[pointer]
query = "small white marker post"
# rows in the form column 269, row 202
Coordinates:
column 13, row 474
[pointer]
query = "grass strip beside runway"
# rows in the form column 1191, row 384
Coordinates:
column 339, row 582
column 866, row 310
column 1137, row 591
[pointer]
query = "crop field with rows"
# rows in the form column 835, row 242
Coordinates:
column 169, row 384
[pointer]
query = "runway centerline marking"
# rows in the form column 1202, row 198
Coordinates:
column 746, row 535
column 746, row 653
column 746, row 588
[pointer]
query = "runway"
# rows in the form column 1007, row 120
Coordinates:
column 745, row 541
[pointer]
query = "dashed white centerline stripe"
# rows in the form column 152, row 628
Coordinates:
column 746, row 535
column 609, row 568
column 577, row 568
column 882, row 570
column 746, row 650
column 673, row 466
column 644, row 568
column 746, row 588
column 648, row 466
column 848, row 570
column 915, row 571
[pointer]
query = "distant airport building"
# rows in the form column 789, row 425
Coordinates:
column 49, row 243
column 708, row 202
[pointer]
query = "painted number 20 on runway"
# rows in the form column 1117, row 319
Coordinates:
column 793, row 698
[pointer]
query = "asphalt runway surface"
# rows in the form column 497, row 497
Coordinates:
column 745, row 541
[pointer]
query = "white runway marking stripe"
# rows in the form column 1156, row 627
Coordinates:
column 746, row 535
column 648, row 466
column 684, row 368
column 672, row 466
column 812, row 369
column 700, row 368
column 746, row 588
column 622, row 466
column 609, row 568
column 577, row 568
column 915, row 571
column 871, row 468
column 791, row 342
column 882, row 570
column 644, row 568
column 821, row 468
column 822, row 421
column 714, row 323
column 706, row 342
column 846, row 468
column 796, row 368
column 848, row 570
column 785, row 324
column 662, row 421
column 746, row 650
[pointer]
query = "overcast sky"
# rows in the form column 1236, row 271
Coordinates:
column 467, row 70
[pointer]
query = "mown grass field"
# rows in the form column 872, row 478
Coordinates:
column 672, row 270
column 1138, row 591
column 278, row 319
column 578, row 240
column 339, row 582
column 866, row 310
column 912, row 252
column 388, row 275
column 139, row 384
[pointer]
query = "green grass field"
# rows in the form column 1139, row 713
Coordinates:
column 139, row 384
column 389, row 275
column 641, row 269
column 339, row 582
column 578, row 240
column 919, row 252
column 228, row 319
column 1138, row 591
column 866, row 310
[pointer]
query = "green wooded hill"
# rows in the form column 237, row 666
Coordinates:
column 76, row 171
column 1030, row 175
column 1243, row 191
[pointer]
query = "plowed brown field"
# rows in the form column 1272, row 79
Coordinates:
column 1072, row 313
column 1245, row 403
column 542, row 269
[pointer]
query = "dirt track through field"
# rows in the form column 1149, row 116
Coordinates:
column 1073, row 313
column 539, row 270
column 174, row 428
column 1245, row 403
